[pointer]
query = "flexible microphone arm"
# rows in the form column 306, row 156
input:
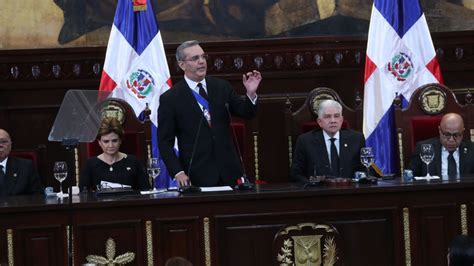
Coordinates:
column 245, row 185
column 194, row 149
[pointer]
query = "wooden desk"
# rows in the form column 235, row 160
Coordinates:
column 391, row 223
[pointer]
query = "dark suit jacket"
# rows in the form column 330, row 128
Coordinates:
column 215, row 159
column 310, row 151
column 466, row 158
column 21, row 177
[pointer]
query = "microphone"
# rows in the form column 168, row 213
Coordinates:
column 190, row 188
column 244, row 183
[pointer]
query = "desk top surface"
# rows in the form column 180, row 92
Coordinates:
column 260, row 192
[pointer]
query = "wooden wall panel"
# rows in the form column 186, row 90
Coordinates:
column 179, row 236
column 433, row 224
column 43, row 245
column 128, row 236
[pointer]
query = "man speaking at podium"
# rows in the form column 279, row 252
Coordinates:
column 197, row 111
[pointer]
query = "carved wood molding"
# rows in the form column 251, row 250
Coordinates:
column 285, row 56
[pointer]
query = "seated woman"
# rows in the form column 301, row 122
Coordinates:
column 112, row 165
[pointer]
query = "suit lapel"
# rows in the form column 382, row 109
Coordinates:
column 320, row 142
column 343, row 146
column 11, row 176
column 437, row 159
column 462, row 157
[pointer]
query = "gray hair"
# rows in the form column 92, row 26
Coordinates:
column 180, row 55
column 328, row 103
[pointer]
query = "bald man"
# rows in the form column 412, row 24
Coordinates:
column 17, row 176
column 454, row 156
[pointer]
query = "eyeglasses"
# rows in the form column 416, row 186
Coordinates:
column 448, row 135
column 4, row 142
column 197, row 57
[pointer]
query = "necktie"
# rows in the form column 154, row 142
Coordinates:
column 202, row 91
column 2, row 181
column 452, row 171
column 334, row 159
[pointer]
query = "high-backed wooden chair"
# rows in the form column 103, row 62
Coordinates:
column 421, row 118
column 308, row 244
column 37, row 155
column 137, row 136
column 304, row 119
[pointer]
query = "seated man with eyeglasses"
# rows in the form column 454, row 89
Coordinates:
column 17, row 176
column 454, row 156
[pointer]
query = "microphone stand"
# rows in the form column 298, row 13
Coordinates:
column 190, row 188
column 69, row 145
column 245, row 183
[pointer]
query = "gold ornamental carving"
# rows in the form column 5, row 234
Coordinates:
column 149, row 242
column 10, row 247
column 317, row 99
column 207, row 241
column 113, row 109
column 110, row 259
column 463, row 209
column 306, row 250
column 406, row 236
column 432, row 100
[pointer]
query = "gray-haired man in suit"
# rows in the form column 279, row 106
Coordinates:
column 331, row 151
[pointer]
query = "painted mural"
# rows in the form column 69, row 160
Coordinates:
column 71, row 23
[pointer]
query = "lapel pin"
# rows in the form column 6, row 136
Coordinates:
column 345, row 145
column 128, row 168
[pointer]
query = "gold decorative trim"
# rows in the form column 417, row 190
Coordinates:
column 149, row 242
column 255, row 157
column 290, row 150
column 432, row 100
column 406, row 236
column 76, row 164
column 298, row 227
column 113, row 109
column 10, row 247
column 400, row 151
column 148, row 150
column 463, row 209
column 110, row 258
column 207, row 241
column 70, row 241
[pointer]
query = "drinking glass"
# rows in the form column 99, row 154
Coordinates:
column 427, row 156
column 153, row 168
column 367, row 158
column 60, row 174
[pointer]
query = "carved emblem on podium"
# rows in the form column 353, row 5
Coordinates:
column 432, row 100
column 110, row 259
column 300, row 249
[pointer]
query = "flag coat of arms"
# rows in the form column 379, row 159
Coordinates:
column 135, row 67
column 400, row 58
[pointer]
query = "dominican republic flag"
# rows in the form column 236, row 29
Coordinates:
column 400, row 58
column 135, row 67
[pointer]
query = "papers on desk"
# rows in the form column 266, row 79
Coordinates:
column 433, row 177
column 148, row 192
column 216, row 189
column 105, row 184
